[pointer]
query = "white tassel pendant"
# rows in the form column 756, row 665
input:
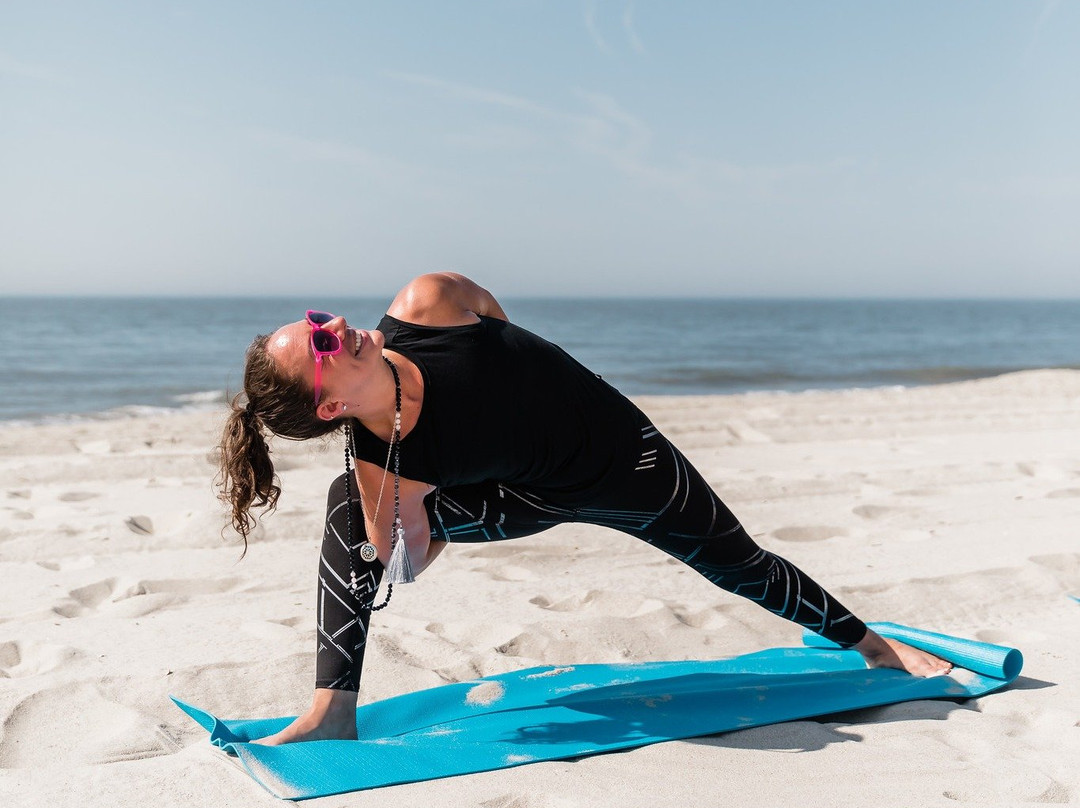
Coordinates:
column 399, row 570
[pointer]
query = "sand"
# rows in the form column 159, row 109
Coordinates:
column 953, row 508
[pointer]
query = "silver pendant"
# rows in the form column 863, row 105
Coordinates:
column 368, row 552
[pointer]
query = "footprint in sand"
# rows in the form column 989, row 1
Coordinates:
column 21, row 659
column 1042, row 471
column 291, row 622
column 1013, row 637
column 495, row 550
column 710, row 619
column 742, row 432
column 138, row 599
column 1059, row 562
column 919, row 492
column 66, row 564
column 530, row 644
column 808, row 533
column 994, row 635
column 511, row 573
column 615, row 603
column 573, row 603
column 188, row 586
column 77, row 496
column 1064, row 567
column 1064, row 493
column 140, row 525
column 1024, row 787
column 85, row 599
column 873, row 511
column 131, row 606
column 73, row 725
column 149, row 596
column 271, row 631
column 520, row 801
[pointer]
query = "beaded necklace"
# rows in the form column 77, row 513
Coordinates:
column 367, row 550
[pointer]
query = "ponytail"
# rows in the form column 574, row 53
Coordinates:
column 247, row 476
column 278, row 403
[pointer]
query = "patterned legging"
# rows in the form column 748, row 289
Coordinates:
column 661, row 499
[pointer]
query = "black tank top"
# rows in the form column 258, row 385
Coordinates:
column 503, row 404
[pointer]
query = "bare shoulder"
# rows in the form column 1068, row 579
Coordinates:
column 444, row 299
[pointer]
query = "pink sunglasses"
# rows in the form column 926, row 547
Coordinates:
column 323, row 343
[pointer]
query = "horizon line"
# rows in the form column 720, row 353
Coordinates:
column 684, row 297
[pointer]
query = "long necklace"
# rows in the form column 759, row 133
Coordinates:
column 367, row 550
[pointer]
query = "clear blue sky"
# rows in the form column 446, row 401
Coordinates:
column 556, row 148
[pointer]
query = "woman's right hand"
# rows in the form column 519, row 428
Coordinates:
column 332, row 716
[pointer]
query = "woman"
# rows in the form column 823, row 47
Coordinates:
column 464, row 427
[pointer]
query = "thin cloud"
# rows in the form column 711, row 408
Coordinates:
column 769, row 177
column 625, row 142
column 1045, row 14
column 594, row 31
column 10, row 66
column 606, row 129
column 631, row 32
column 612, row 131
column 468, row 92
column 592, row 27
column 381, row 168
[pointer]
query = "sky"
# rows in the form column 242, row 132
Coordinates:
column 559, row 148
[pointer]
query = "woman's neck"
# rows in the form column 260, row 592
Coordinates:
column 379, row 419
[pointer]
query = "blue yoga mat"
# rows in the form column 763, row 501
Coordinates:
column 552, row 713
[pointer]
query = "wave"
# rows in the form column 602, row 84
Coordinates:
column 205, row 401
column 203, row 397
column 700, row 380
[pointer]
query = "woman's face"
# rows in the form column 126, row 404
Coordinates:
column 344, row 373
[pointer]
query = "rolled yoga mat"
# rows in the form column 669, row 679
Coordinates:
column 552, row 713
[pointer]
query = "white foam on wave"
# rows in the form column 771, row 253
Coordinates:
column 202, row 397
column 186, row 403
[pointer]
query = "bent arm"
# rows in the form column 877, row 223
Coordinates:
column 414, row 519
column 444, row 299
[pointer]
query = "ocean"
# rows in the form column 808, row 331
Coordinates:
column 100, row 357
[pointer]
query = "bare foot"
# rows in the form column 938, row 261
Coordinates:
column 332, row 716
column 882, row 652
column 306, row 728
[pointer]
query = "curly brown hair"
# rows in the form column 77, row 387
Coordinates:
column 281, row 404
